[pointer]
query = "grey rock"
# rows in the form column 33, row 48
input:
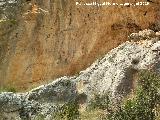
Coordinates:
column 112, row 74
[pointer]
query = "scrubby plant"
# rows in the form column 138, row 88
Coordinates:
column 99, row 102
column 8, row 89
column 143, row 105
column 39, row 117
column 69, row 111
column 12, row 21
column 95, row 114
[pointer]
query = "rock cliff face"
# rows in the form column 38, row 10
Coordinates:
column 114, row 74
column 45, row 39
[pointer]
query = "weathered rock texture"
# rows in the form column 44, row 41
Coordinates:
column 113, row 74
column 55, row 37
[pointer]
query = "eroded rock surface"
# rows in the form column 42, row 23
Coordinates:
column 113, row 74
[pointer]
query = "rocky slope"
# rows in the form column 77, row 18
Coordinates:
column 115, row 73
column 44, row 39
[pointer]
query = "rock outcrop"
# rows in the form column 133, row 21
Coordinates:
column 44, row 39
column 113, row 74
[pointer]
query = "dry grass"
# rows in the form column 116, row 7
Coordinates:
column 92, row 115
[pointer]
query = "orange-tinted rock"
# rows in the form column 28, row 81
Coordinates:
column 62, row 38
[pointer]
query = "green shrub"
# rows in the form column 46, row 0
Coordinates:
column 8, row 89
column 100, row 102
column 142, row 106
column 12, row 21
column 68, row 111
column 39, row 117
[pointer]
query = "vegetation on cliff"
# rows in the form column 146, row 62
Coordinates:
column 144, row 101
column 142, row 104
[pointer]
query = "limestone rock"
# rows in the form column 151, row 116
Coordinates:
column 113, row 74
column 142, row 35
column 44, row 39
column 146, row 33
